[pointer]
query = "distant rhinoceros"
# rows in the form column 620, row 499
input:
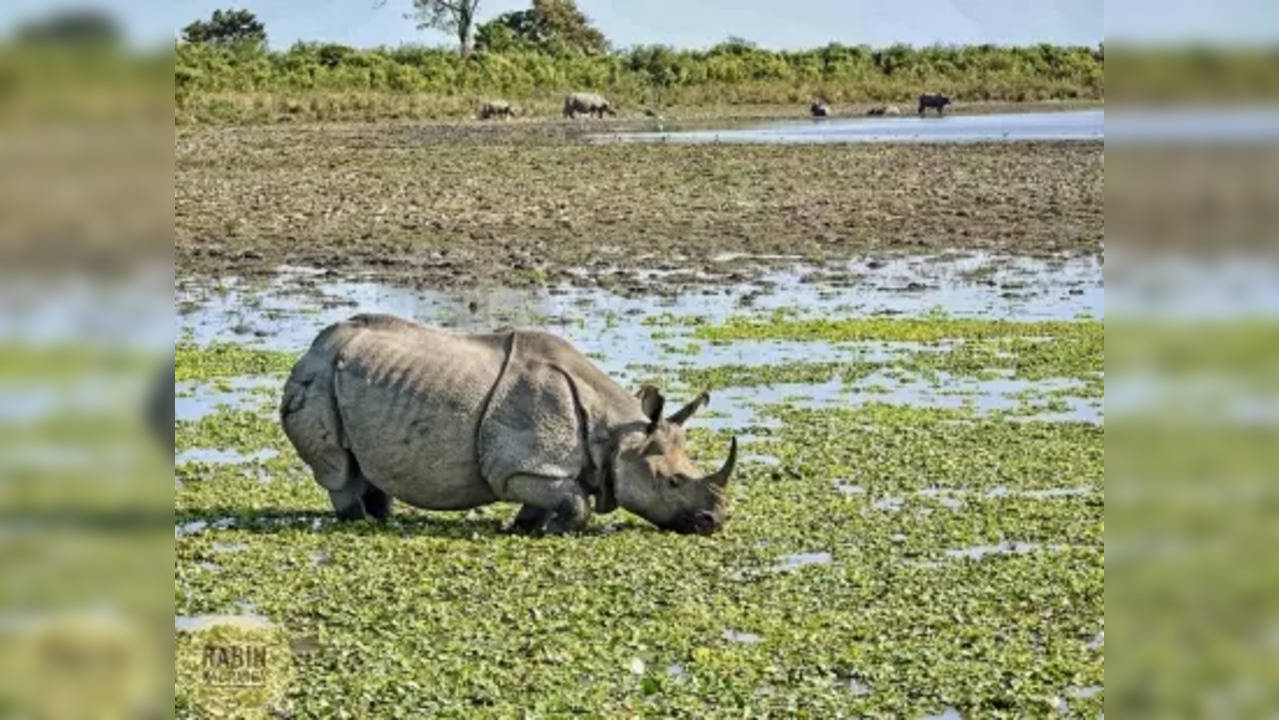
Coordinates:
column 818, row 109
column 589, row 103
column 496, row 108
column 383, row 408
column 933, row 100
column 884, row 110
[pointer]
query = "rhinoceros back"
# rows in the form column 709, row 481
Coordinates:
column 406, row 401
column 441, row 420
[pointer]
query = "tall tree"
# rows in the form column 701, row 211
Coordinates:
column 549, row 25
column 227, row 27
column 569, row 25
column 450, row 16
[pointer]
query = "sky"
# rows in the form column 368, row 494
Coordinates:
column 770, row 23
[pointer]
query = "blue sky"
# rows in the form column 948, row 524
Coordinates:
column 771, row 23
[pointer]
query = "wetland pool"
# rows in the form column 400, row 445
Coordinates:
column 994, row 127
column 646, row 337
column 921, row 462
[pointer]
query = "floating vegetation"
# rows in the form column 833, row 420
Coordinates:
column 227, row 359
column 986, row 607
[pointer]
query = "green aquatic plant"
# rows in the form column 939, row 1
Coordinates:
column 745, row 327
column 195, row 362
column 890, row 560
column 981, row 350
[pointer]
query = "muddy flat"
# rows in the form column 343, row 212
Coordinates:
column 527, row 204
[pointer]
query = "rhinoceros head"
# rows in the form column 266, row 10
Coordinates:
column 655, row 478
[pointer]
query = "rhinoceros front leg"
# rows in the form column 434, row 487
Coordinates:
column 557, row 506
column 530, row 519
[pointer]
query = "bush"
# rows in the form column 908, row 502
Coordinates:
column 731, row 72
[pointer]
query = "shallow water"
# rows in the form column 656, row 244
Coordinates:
column 1086, row 691
column 746, row 638
column 197, row 623
column 995, row 127
column 799, row 560
column 977, row 552
column 288, row 310
column 632, row 340
column 223, row 456
column 193, row 401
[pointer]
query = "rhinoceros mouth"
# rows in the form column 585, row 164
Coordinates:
column 697, row 523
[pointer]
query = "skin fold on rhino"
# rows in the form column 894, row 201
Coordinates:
column 383, row 408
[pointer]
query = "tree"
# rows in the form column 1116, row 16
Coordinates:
column 549, row 25
column 451, row 16
column 227, row 27
column 566, row 24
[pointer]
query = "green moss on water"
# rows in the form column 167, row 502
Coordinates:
column 231, row 429
column 721, row 376
column 442, row 614
column 195, row 362
column 782, row 326
column 1041, row 351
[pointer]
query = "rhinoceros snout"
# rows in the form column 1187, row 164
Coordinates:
column 699, row 523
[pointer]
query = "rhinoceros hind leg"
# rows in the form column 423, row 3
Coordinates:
column 348, row 500
column 339, row 473
column 376, row 502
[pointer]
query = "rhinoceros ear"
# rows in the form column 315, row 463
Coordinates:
column 652, row 402
column 687, row 411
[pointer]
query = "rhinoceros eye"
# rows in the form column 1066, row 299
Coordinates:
column 677, row 479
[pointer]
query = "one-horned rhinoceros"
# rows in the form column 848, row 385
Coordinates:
column 383, row 408
column 496, row 108
column 589, row 103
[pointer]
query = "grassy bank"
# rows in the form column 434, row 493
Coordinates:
column 327, row 82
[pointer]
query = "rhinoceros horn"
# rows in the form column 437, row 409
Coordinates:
column 687, row 411
column 720, row 477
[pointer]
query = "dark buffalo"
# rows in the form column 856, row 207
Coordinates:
column 933, row 100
